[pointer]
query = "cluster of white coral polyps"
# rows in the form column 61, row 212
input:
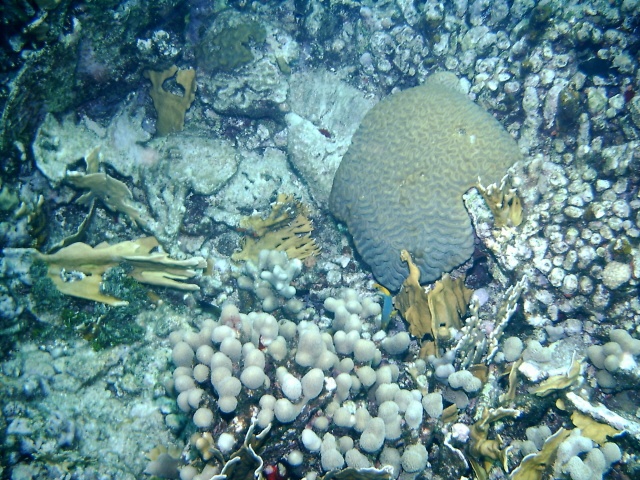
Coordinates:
column 348, row 391
column 270, row 279
column 581, row 459
column 616, row 360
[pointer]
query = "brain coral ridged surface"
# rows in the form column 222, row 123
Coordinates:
column 400, row 184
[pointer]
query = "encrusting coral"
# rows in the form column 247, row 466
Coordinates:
column 230, row 47
column 77, row 269
column 435, row 312
column 287, row 228
column 171, row 108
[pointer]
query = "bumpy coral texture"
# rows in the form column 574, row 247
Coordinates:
column 400, row 184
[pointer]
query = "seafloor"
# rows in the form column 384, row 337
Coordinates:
column 177, row 342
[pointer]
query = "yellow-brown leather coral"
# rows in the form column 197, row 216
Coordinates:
column 435, row 312
column 286, row 228
column 171, row 108
column 483, row 452
column 77, row 269
column 114, row 194
column 504, row 203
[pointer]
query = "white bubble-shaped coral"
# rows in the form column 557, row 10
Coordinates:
column 512, row 349
column 372, row 438
column 414, row 458
column 252, row 377
column 615, row 274
column 432, row 404
column 285, row 411
column 464, row 379
column 310, row 440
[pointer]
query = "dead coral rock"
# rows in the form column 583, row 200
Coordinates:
column 436, row 312
column 77, row 270
column 287, row 229
column 171, row 108
column 59, row 144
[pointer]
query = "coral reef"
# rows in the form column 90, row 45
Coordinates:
column 284, row 367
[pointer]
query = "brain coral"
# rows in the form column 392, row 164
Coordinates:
column 400, row 184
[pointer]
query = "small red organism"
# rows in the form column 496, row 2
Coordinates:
column 272, row 472
column 325, row 132
column 628, row 94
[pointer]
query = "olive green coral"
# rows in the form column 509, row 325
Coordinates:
column 229, row 48
column 401, row 182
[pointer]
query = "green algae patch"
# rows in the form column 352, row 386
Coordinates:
column 230, row 48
